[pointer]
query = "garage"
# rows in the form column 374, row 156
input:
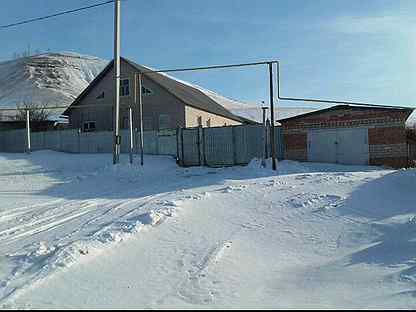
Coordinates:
column 349, row 134
column 343, row 146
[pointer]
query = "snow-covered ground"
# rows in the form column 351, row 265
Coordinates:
column 76, row 232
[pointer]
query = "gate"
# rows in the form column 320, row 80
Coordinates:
column 225, row 146
column 341, row 145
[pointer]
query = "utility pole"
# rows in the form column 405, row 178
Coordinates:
column 272, row 138
column 117, row 138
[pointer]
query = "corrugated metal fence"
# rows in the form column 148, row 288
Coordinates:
column 73, row 141
column 225, row 146
column 222, row 146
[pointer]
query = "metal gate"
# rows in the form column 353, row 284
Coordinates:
column 225, row 146
column 343, row 146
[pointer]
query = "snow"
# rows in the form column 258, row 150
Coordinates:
column 78, row 232
column 55, row 79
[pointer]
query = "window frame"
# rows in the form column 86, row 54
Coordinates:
column 121, row 87
column 89, row 129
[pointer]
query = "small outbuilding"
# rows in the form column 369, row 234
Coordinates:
column 349, row 134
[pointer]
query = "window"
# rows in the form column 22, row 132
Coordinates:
column 146, row 91
column 199, row 121
column 148, row 123
column 164, row 121
column 89, row 126
column 101, row 96
column 124, row 87
column 209, row 122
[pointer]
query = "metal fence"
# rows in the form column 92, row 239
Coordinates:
column 215, row 147
column 74, row 141
column 226, row 146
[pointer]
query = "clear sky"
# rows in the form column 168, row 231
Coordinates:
column 356, row 50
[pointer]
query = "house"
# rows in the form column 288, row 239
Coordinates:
column 168, row 103
column 348, row 134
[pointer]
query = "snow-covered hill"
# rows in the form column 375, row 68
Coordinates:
column 55, row 79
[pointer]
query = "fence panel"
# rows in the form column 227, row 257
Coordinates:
column 226, row 146
column 51, row 140
column 36, row 141
column 278, row 135
column 249, row 143
column 219, row 146
column 70, row 141
column 13, row 141
column 190, row 147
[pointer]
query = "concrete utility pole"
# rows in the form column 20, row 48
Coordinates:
column 117, row 138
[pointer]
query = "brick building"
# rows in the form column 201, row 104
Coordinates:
column 347, row 134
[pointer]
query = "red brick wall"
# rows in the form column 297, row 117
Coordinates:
column 388, row 146
column 347, row 118
column 386, row 132
column 296, row 147
column 388, row 135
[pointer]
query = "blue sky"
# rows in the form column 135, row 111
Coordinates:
column 346, row 50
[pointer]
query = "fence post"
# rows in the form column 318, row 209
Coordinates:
column 79, row 140
column 131, row 134
column 199, row 145
column 177, row 145
column 204, row 156
column 234, row 145
column 267, row 139
column 28, row 131
column 182, row 149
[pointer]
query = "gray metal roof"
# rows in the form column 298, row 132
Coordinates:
column 190, row 95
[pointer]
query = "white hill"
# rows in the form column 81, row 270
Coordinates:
column 55, row 79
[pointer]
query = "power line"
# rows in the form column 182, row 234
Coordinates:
column 56, row 14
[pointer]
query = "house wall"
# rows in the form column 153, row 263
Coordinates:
column 160, row 102
column 386, row 133
column 192, row 114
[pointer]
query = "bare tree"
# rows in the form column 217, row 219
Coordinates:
column 38, row 111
